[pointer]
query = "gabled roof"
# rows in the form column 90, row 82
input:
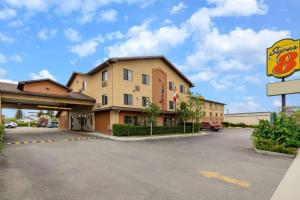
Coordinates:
column 22, row 83
column 114, row 60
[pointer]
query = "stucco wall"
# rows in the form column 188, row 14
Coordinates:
column 247, row 118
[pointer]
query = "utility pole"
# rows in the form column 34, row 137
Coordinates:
column 283, row 100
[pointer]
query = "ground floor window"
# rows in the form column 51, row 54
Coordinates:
column 135, row 120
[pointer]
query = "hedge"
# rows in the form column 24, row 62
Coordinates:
column 269, row 145
column 240, row 125
column 1, row 138
column 129, row 130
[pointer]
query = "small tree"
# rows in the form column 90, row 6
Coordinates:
column 50, row 113
column 195, row 104
column 184, row 113
column 152, row 111
column 40, row 113
column 19, row 114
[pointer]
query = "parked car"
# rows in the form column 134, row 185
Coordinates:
column 10, row 125
column 212, row 126
column 52, row 125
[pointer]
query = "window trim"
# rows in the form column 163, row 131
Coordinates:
column 104, row 71
column 147, row 100
column 127, row 70
column 104, row 95
column 173, row 86
column 173, row 105
column 147, row 77
column 128, row 102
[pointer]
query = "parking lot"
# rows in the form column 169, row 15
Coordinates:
column 207, row 167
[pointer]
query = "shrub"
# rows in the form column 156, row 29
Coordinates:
column 129, row 130
column 241, row 125
column 269, row 145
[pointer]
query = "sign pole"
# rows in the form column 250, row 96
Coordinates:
column 283, row 100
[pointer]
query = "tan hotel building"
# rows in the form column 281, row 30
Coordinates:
column 122, row 87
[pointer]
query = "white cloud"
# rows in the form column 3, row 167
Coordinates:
column 237, row 7
column 244, row 106
column 255, row 79
column 42, row 75
column 15, row 23
column 5, row 38
column 141, row 40
column 2, row 77
column 46, row 34
column 85, row 18
column 84, row 49
column 114, row 35
column 72, row 35
column 108, row 16
column 16, row 58
column 2, row 73
column 32, row 5
column 7, row 13
column 178, row 8
column 3, row 58
column 277, row 104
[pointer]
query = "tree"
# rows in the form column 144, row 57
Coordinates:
column 195, row 104
column 40, row 113
column 50, row 113
column 184, row 113
column 19, row 114
column 152, row 111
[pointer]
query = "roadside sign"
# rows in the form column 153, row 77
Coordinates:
column 283, row 58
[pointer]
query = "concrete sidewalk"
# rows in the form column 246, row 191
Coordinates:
column 142, row 138
column 289, row 187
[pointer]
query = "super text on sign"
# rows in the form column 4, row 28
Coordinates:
column 283, row 58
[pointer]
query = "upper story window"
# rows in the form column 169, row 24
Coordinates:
column 145, row 79
column 84, row 85
column 104, row 100
column 104, row 75
column 171, row 86
column 216, row 114
column 171, row 105
column 210, row 114
column 128, row 99
column 127, row 74
column 182, row 89
column 145, row 101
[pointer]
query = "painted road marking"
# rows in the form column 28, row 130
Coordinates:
column 51, row 140
column 216, row 175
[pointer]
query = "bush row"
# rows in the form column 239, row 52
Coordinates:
column 242, row 125
column 129, row 130
column 270, row 145
column 1, row 137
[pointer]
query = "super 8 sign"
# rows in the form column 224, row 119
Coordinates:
column 283, row 58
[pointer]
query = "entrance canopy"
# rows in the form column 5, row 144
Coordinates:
column 42, row 94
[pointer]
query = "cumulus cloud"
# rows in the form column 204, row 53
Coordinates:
column 72, row 35
column 178, row 8
column 84, row 49
column 46, row 34
column 3, row 58
column 42, row 75
column 3, row 75
column 16, row 58
column 7, row 13
column 142, row 40
column 277, row 104
column 5, row 38
column 108, row 16
column 244, row 106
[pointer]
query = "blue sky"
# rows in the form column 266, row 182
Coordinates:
column 219, row 44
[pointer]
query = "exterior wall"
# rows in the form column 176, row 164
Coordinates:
column 45, row 87
column 63, row 120
column 247, row 118
column 213, row 112
column 102, row 122
column 140, row 67
column 159, row 80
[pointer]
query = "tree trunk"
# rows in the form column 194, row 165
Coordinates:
column 151, row 128
column 193, row 126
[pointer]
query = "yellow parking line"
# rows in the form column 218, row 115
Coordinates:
column 216, row 175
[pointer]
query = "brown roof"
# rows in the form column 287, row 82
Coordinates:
column 13, row 89
column 114, row 60
column 214, row 102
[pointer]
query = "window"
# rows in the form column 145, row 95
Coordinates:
column 221, row 115
column 216, row 114
column 145, row 101
column 171, row 105
column 127, row 120
column 84, row 85
column 104, row 100
column 210, row 114
column 171, row 86
column 128, row 99
column 182, row 89
column 127, row 75
column 104, row 75
column 145, row 79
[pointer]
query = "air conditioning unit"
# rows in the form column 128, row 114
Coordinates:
column 98, row 105
column 137, row 88
column 104, row 84
column 80, row 90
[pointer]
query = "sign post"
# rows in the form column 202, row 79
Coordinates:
column 283, row 59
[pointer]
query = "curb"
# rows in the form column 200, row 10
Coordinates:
column 133, row 138
column 50, row 141
column 270, row 153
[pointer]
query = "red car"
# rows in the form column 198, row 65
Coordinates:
column 212, row 126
